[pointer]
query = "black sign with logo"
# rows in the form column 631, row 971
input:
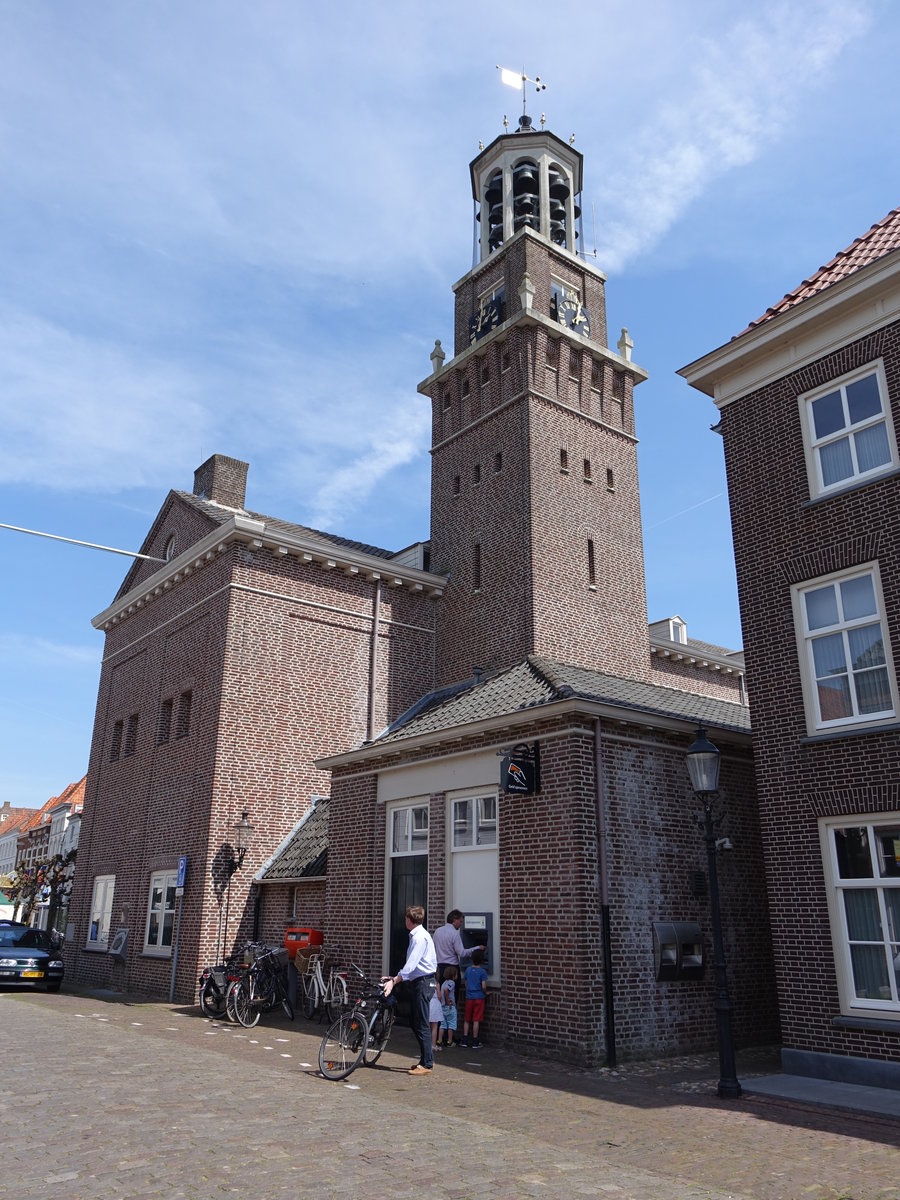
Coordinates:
column 520, row 770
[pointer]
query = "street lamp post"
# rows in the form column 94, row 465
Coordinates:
column 703, row 767
column 243, row 831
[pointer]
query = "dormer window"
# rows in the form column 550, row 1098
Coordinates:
column 678, row 631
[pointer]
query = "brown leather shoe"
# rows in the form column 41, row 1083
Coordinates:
column 418, row 1069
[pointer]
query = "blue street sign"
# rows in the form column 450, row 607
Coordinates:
column 182, row 871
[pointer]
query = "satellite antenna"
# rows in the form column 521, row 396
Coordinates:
column 519, row 81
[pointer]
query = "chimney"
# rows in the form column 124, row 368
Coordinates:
column 222, row 480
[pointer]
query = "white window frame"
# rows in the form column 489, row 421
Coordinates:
column 416, row 810
column 164, row 880
column 813, row 445
column 480, row 822
column 881, row 1006
column 101, row 912
column 805, row 638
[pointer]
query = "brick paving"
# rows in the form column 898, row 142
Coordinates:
column 147, row 1101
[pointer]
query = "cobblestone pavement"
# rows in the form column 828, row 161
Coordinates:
column 148, row 1101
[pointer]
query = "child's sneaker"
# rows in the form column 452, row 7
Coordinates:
column 476, row 1045
column 464, row 1042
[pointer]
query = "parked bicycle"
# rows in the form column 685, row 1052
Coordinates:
column 214, row 984
column 360, row 1035
column 321, row 994
column 260, row 988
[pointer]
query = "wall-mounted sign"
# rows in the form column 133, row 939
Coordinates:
column 520, row 769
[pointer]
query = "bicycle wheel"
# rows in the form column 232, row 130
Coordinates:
column 310, row 999
column 378, row 1040
column 246, row 1011
column 286, row 1005
column 336, row 1000
column 229, row 1001
column 343, row 1046
column 212, row 1002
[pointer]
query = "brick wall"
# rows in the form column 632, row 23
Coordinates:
column 276, row 654
column 780, row 538
column 550, row 998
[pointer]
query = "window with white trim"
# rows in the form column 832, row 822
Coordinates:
column 862, row 866
column 409, row 830
column 475, row 822
column 847, row 430
column 101, row 912
column 160, row 913
column 844, row 659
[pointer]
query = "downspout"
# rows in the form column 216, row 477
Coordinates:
column 373, row 661
column 606, row 935
column 370, row 734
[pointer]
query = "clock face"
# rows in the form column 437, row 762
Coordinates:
column 572, row 313
column 486, row 317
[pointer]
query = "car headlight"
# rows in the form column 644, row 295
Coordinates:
column 8, row 962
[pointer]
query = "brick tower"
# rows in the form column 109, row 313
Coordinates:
column 535, row 510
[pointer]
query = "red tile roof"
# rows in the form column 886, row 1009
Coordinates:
column 882, row 239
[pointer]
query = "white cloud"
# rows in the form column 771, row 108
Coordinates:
column 745, row 88
column 20, row 650
column 395, row 441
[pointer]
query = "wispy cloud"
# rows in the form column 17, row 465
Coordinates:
column 17, row 650
column 737, row 101
column 396, row 441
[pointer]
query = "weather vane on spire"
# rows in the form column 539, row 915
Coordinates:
column 518, row 81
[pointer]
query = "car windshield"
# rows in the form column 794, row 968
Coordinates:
column 24, row 939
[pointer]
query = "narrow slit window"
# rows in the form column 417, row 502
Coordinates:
column 592, row 570
column 610, row 479
column 504, row 361
column 587, row 470
column 564, row 460
column 498, row 462
column 456, row 485
column 574, row 364
column 476, row 566
column 485, row 374
column 596, row 375
column 464, row 390
column 476, row 473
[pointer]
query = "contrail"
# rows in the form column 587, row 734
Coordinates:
column 675, row 516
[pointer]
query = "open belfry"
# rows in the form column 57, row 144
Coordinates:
column 363, row 711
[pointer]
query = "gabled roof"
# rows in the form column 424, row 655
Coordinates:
column 304, row 853
column 219, row 515
column 540, row 681
column 882, row 239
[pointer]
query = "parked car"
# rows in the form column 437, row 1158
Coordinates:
column 28, row 958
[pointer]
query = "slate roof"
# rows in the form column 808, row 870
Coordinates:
column 538, row 681
column 882, row 239
column 219, row 515
column 305, row 853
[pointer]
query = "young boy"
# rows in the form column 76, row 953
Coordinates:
column 476, row 978
column 447, row 1033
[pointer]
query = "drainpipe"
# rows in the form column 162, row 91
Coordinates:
column 373, row 661
column 606, row 935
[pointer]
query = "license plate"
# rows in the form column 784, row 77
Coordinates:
column 32, row 975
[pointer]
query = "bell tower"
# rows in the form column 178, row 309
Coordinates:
column 535, row 509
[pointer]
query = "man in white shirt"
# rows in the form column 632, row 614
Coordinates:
column 418, row 970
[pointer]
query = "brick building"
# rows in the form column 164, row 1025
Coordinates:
column 809, row 396
column 252, row 665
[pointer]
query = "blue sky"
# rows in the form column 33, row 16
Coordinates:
column 214, row 212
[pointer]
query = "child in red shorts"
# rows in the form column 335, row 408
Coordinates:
column 476, row 978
